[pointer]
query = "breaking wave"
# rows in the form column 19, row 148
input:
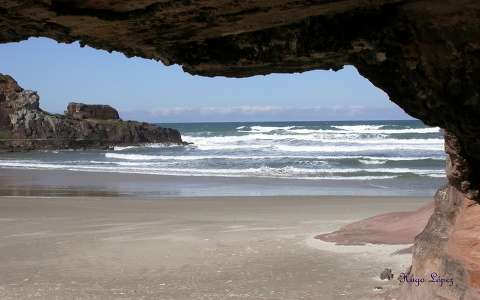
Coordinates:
column 387, row 150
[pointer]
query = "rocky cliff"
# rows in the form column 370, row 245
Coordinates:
column 424, row 53
column 24, row 126
column 88, row 111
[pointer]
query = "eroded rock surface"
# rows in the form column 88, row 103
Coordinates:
column 449, row 247
column 24, row 126
column 89, row 111
column 424, row 53
column 390, row 228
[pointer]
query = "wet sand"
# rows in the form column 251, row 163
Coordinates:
column 50, row 182
column 191, row 248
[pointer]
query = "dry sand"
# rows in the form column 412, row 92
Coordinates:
column 190, row 248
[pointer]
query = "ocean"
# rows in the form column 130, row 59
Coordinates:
column 347, row 157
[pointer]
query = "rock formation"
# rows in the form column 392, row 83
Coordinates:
column 24, row 126
column 386, row 274
column 424, row 53
column 89, row 111
column 449, row 245
column 389, row 228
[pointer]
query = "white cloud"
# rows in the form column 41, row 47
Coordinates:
column 226, row 110
column 265, row 113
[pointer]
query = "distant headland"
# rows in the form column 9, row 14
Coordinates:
column 25, row 126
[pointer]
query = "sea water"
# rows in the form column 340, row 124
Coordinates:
column 321, row 157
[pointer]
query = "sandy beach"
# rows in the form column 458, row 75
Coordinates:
column 191, row 248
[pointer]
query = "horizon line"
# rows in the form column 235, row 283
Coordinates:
column 284, row 121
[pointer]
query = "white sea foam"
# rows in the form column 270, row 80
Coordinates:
column 340, row 152
column 359, row 127
column 151, row 145
column 231, row 147
column 266, row 128
column 133, row 156
column 260, row 157
column 284, row 172
column 372, row 162
column 356, row 148
column 379, row 129
column 120, row 148
column 294, row 143
column 440, row 175
column 337, row 139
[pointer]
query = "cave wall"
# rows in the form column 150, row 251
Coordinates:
column 425, row 54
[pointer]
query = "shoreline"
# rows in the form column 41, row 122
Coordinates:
column 24, row 182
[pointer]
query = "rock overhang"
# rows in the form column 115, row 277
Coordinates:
column 425, row 54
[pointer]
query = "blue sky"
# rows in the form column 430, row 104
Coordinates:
column 147, row 90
